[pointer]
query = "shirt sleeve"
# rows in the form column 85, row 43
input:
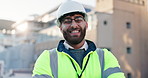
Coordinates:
column 42, row 66
column 111, row 66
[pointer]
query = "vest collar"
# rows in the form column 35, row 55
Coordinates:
column 61, row 47
column 67, row 46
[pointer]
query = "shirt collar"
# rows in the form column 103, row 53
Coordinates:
column 67, row 46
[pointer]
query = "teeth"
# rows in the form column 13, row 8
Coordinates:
column 74, row 31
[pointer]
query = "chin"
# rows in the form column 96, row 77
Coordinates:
column 74, row 41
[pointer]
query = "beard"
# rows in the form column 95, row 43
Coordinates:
column 74, row 39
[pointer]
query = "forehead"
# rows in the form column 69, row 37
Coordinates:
column 73, row 15
column 70, row 15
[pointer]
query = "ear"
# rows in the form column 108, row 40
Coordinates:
column 61, row 29
column 86, row 25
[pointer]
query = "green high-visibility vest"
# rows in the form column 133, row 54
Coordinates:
column 96, row 64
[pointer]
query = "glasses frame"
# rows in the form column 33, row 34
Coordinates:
column 77, row 19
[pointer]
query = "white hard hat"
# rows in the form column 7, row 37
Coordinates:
column 68, row 7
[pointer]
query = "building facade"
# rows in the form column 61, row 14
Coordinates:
column 5, row 34
column 122, row 28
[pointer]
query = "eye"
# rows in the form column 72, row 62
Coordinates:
column 79, row 19
column 67, row 21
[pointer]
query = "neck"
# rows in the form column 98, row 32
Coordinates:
column 77, row 46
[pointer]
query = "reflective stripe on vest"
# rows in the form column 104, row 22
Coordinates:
column 54, row 62
column 41, row 76
column 100, row 52
column 109, row 71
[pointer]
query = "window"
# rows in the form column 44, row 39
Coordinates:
column 129, row 75
column 105, row 22
column 129, row 50
column 7, row 46
column 128, row 25
column 143, row 2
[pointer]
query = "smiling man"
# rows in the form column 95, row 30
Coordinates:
column 76, row 57
column 73, row 27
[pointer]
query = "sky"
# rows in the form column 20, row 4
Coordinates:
column 16, row 10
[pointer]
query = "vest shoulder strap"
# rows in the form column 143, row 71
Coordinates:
column 54, row 62
column 100, row 53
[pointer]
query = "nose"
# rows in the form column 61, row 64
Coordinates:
column 74, row 24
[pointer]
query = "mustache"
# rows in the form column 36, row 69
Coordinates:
column 72, row 29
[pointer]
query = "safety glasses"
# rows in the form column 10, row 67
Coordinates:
column 67, row 21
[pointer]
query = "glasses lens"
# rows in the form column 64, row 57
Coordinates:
column 68, row 21
column 78, row 19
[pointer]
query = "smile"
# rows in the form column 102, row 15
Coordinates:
column 75, row 31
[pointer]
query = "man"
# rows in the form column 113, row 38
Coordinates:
column 75, row 57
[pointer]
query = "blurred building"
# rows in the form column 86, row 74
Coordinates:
column 5, row 34
column 15, row 54
column 1, row 68
column 122, row 27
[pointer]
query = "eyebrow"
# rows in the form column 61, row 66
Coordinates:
column 74, row 17
column 68, row 17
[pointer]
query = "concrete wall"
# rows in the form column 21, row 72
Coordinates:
column 128, row 12
column 1, row 68
column 104, row 6
column 118, row 37
column 46, row 45
column 91, row 32
column 104, row 31
column 144, row 39
column 18, row 57
column 124, row 37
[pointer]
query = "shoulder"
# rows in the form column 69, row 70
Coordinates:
column 44, row 55
column 106, row 53
column 42, row 64
column 104, row 50
column 110, row 58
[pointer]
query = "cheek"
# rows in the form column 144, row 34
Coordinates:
column 84, row 25
column 63, row 28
